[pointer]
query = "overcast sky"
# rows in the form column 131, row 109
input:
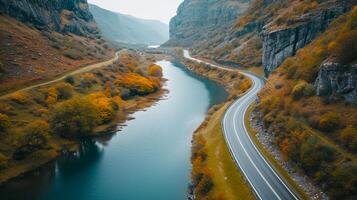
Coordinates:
column 161, row 10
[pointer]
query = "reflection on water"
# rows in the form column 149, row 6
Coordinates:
column 39, row 181
column 148, row 159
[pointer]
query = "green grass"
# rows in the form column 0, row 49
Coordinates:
column 270, row 158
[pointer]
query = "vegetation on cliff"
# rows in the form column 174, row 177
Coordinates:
column 311, row 131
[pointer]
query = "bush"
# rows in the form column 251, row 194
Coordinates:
column 52, row 96
column 345, row 47
column 87, row 80
column 70, row 80
column 35, row 138
column 19, row 97
column 65, row 90
column 155, row 70
column 104, row 106
column 74, row 118
column 329, row 122
column 73, row 54
column 4, row 122
column 302, row 89
column 205, row 185
column 138, row 85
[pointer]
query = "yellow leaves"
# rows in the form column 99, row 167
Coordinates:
column 104, row 106
column 52, row 96
column 155, row 70
column 137, row 84
column 19, row 97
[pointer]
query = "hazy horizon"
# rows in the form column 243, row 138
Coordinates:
column 162, row 10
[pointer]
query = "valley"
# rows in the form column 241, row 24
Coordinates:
column 234, row 99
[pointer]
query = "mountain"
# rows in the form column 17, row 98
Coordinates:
column 308, row 51
column 41, row 39
column 199, row 20
column 122, row 28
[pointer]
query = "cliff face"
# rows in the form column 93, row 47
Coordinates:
column 197, row 19
column 278, row 44
column 336, row 79
column 66, row 16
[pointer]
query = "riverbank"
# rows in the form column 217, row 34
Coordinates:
column 214, row 174
column 42, row 145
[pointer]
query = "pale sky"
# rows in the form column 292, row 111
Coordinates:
column 161, row 10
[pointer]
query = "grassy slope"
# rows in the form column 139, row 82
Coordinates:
column 228, row 181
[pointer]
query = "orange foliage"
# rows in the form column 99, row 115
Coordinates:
column 19, row 97
column 138, row 84
column 155, row 70
column 104, row 106
column 52, row 96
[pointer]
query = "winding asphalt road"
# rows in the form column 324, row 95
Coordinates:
column 264, row 180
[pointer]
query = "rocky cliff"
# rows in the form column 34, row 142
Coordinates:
column 282, row 42
column 66, row 16
column 337, row 79
column 197, row 20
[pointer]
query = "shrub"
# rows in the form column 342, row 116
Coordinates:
column 4, row 122
column 302, row 89
column 87, row 80
column 74, row 118
column 205, row 185
column 345, row 47
column 65, row 90
column 19, row 97
column 35, row 138
column 52, row 96
column 329, row 122
column 104, row 106
column 155, row 70
column 138, row 85
column 344, row 181
column 73, row 54
column 70, row 80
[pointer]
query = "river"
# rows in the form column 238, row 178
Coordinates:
column 149, row 159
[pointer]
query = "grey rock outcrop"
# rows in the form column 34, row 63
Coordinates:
column 66, row 16
column 197, row 19
column 336, row 79
column 282, row 43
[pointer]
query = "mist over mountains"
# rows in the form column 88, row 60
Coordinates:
column 121, row 28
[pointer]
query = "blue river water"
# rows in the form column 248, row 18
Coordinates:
column 149, row 159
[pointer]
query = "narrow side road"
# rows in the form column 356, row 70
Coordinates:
column 265, row 181
column 78, row 71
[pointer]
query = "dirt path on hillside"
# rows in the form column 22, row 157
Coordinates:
column 78, row 71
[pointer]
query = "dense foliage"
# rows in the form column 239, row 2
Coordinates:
column 316, row 133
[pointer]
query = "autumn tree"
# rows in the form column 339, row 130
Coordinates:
column 103, row 105
column 74, row 118
column 65, row 90
column 155, row 70
column 35, row 138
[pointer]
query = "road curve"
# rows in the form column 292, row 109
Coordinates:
column 264, row 180
column 78, row 71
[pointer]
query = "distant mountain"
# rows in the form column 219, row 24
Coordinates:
column 122, row 28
